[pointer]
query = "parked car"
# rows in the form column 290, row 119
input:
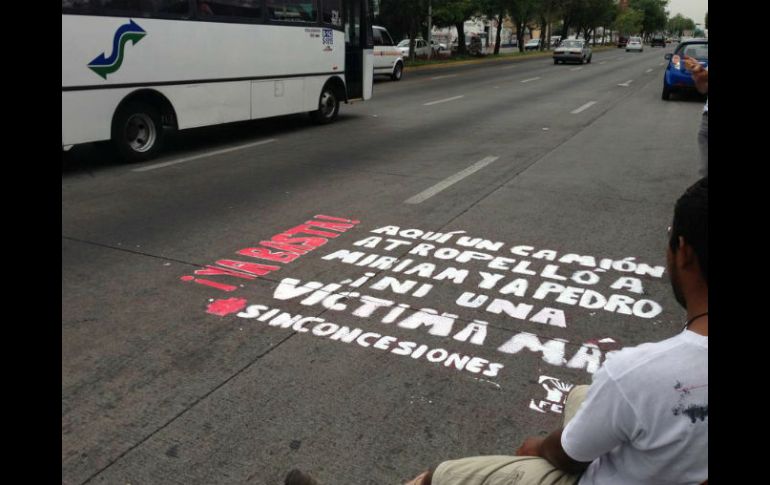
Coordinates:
column 532, row 45
column 437, row 46
column 658, row 40
column 573, row 51
column 635, row 44
column 387, row 58
column 622, row 42
column 421, row 48
column 678, row 79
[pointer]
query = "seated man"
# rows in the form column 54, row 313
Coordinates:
column 644, row 419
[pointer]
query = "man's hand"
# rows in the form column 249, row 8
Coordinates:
column 550, row 448
column 530, row 447
column 699, row 74
column 692, row 64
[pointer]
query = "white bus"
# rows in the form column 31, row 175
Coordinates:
column 134, row 69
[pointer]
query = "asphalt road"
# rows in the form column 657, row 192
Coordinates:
column 392, row 355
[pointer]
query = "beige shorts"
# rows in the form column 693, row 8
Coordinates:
column 510, row 470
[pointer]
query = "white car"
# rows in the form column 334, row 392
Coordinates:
column 437, row 46
column 387, row 57
column 573, row 51
column 421, row 48
column 635, row 44
column 532, row 45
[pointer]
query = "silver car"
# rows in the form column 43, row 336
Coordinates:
column 635, row 44
column 572, row 50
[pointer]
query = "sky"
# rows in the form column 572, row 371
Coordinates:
column 694, row 9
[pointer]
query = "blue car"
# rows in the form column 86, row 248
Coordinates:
column 677, row 78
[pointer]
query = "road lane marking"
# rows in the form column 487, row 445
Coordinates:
column 603, row 62
column 648, row 70
column 444, row 100
column 625, row 84
column 576, row 68
column 449, row 181
column 584, row 107
column 528, row 80
column 662, row 63
column 202, row 155
column 444, row 77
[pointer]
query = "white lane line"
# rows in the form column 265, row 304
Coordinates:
column 662, row 63
column 528, row 80
column 648, row 70
column 576, row 68
column 444, row 100
column 583, row 108
column 444, row 77
column 603, row 62
column 625, row 84
column 448, row 182
column 202, row 155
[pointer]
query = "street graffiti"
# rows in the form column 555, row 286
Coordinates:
column 395, row 270
column 288, row 245
column 556, row 395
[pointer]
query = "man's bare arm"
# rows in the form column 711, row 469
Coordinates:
column 550, row 448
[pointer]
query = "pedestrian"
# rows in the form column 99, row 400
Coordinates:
column 700, row 75
column 644, row 419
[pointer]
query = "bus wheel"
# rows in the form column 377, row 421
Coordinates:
column 137, row 131
column 328, row 106
column 398, row 71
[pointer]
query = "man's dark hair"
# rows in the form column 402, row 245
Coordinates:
column 691, row 223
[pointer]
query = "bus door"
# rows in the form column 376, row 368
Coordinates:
column 359, row 49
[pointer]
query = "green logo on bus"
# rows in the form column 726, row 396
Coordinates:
column 104, row 65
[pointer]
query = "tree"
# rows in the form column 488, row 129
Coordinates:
column 629, row 22
column 653, row 15
column 494, row 9
column 678, row 24
column 403, row 19
column 522, row 13
column 593, row 14
column 448, row 13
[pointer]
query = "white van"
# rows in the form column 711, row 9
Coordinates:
column 387, row 57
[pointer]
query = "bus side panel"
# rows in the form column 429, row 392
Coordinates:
column 209, row 104
column 313, row 87
column 277, row 97
column 86, row 116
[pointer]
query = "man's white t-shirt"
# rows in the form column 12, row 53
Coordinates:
column 645, row 417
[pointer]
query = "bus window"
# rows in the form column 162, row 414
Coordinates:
column 292, row 10
column 245, row 9
column 139, row 8
column 332, row 13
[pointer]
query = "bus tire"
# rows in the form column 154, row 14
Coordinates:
column 137, row 131
column 398, row 72
column 328, row 106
